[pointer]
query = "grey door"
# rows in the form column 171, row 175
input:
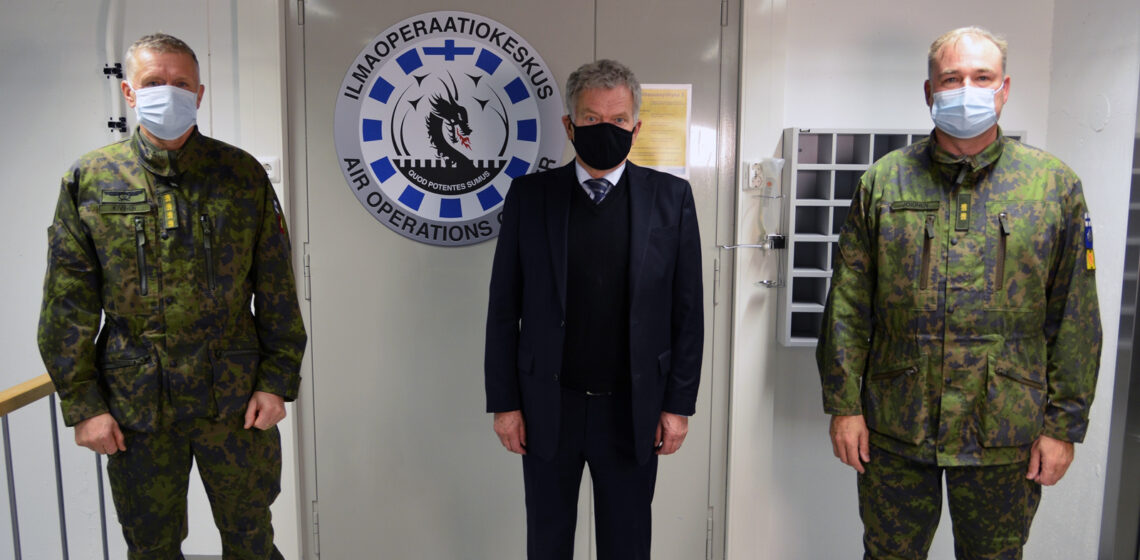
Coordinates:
column 398, row 458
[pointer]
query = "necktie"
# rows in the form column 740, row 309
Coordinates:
column 598, row 189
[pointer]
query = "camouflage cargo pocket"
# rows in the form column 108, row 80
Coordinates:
column 1014, row 411
column 895, row 400
column 133, row 390
column 235, row 371
column 909, row 253
column 128, row 272
column 1020, row 241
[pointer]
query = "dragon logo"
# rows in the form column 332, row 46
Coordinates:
column 465, row 158
column 450, row 114
column 436, row 118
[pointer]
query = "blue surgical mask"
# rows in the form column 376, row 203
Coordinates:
column 966, row 112
column 166, row 111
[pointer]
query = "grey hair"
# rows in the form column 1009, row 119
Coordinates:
column 953, row 36
column 159, row 43
column 604, row 74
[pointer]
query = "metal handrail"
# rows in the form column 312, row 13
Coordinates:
column 11, row 400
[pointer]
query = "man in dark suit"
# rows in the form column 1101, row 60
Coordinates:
column 595, row 325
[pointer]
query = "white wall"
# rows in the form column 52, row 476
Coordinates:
column 56, row 104
column 1092, row 112
column 862, row 65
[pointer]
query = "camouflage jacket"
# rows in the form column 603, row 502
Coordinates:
column 962, row 320
column 170, row 247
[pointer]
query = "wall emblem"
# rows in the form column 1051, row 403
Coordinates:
column 436, row 116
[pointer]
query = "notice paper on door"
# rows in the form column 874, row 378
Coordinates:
column 663, row 142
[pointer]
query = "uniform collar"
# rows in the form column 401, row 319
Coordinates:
column 956, row 169
column 976, row 162
column 163, row 163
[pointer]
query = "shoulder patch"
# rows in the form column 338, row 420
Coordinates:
column 1090, row 258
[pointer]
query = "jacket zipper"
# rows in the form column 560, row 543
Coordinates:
column 909, row 370
column 1019, row 379
column 114, row 364
column 237, row 352
column 924, row 278
column 1003, row 222
column 208, row 244
column 140, row 245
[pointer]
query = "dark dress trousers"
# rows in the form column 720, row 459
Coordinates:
column 527, row 321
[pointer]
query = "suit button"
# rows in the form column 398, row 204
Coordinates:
column 556, row 377
column 562, row 324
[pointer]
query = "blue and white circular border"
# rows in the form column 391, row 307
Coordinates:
column 434, row 119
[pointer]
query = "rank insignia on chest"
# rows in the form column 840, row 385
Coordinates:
column 169, row 207
column 962, row 210
column 1090, row 258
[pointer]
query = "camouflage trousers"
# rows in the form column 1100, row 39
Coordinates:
column 900, row 502
column 241, row 472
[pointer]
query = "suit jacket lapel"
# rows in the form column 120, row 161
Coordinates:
column 640, row 206
column 558, row 223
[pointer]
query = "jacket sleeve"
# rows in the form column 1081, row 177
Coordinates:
column 504, row 310
column 845, row 331
column 277, row 313
column 687, row 321
column 71, row 310
column 1072, row 327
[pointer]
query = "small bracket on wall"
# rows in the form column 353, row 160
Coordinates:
column 115, row 70
column 773, row 241
column 119, row 124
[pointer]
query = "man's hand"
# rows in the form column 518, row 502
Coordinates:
column 1048, row 460
column 850, row 440
column 100, row 434
column 671, row 431
column 511, row 429
column 264, row 410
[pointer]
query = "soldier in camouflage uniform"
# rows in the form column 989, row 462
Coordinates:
column 167, row 237
column 961, row 336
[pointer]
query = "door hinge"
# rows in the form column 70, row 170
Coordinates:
column 316, row 529
column 300, row 12
column 709, row 535
column 724, row 13
column 113, row 71
column 308, row 273
column 716, row 282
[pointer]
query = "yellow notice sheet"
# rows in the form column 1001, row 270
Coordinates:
column 663, row 142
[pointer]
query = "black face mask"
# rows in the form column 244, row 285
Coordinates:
column 602, row 146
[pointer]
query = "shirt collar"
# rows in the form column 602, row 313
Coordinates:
column 612, row 176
